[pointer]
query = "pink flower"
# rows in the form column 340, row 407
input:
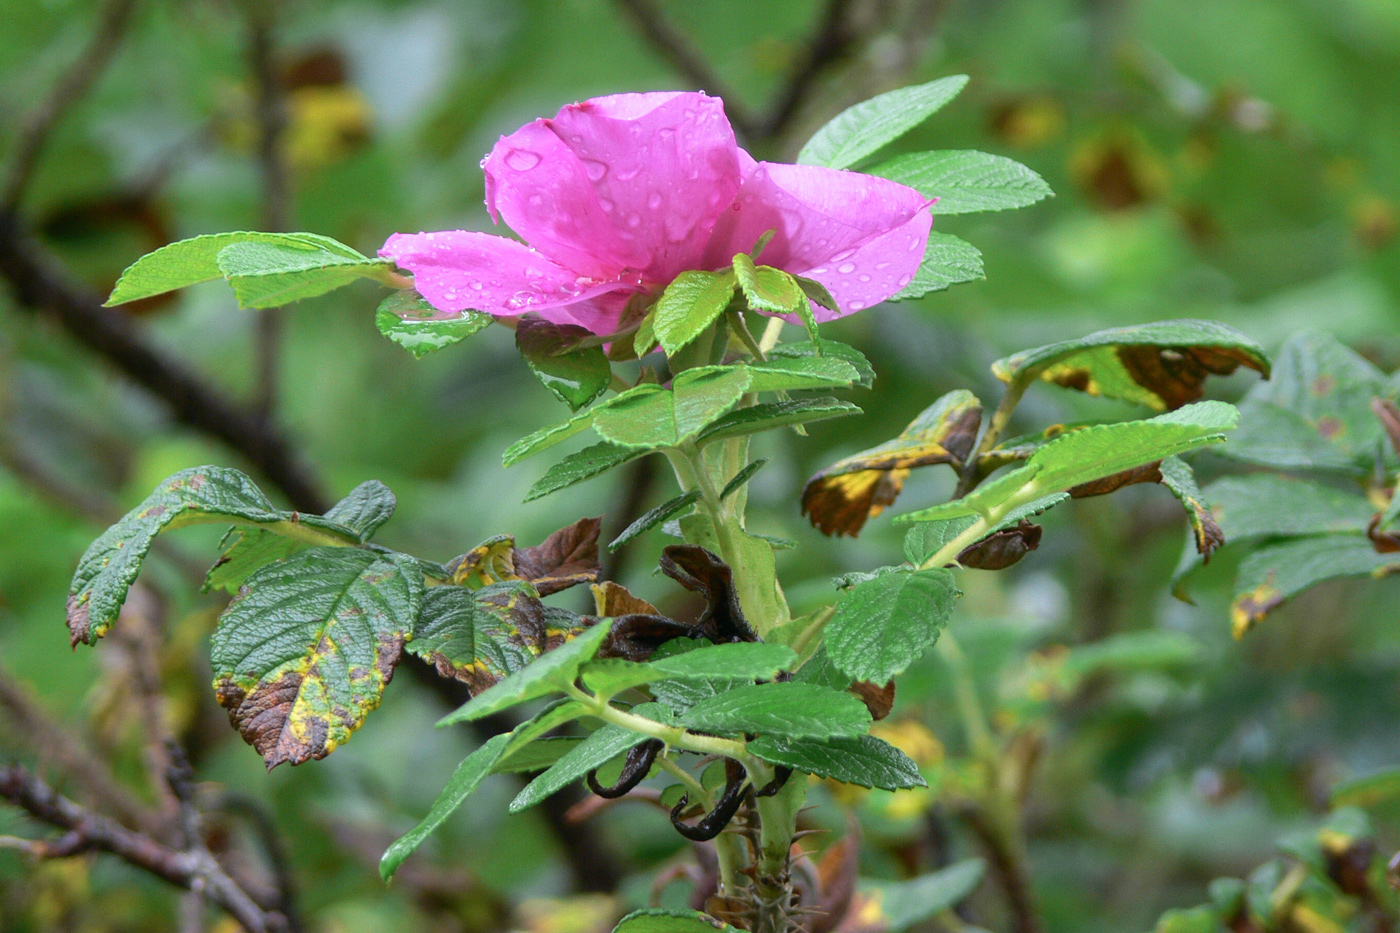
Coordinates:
column 617, row 195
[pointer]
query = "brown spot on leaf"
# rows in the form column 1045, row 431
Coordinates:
column 1176, row 374
column 79, row 620
column 1251, row 606
column 840, row 499
column 1323, row 385
column 1147, row 473
column 1329, row 427
column 1002, row 549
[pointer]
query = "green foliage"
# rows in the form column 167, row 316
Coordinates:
column 689, row 305
column 788, row 710
column 886, row 623
column 409, row 321
column 577, row 467
column 863, row 760
column 906, row 903
column 860, row 131
column 965, row 181
column 653, row 517
column 554, row 672
column 599, row 748
column 655, row 920
column 947, row 261
column 304, row 652
column 575, row 374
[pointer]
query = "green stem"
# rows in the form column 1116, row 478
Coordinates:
column 772, row 333
column 1000, row 418
column 970, row 711
column 673, row 736
column 741, row 330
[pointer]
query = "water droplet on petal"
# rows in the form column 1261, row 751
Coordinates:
column 522, row 160
column 478, row 286
column 846, row 268
column 856, row 305
column 863, row 277
column 628, row 173
column 880, row 266
column 904, row 280
column 536, row 200
column 654, row 200
column 595, row 169
column 634, row 220
column 844, row 254
column 817, row 271
column 606, row 204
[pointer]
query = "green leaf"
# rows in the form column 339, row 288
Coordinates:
column 547, row 437
column 793, row 374
column 365, row 510
column 806, row 348
column 863, row 760
column 268, row 273
column 885, row 624
column 1315, row 410
column 947, row 261
column 540, row 754
column 199, row 495
column 655, row 516
column 792, row 710
column 409, row 321
column 1276, row 572
column 195, row 260
column 965, row 181
column 740, row 478
column 659, row 920
column 597, row 749
column 768, row 290
column 303, row 653
column 844, row 496
column 1369, row 790
column 649, row 416
column 689, row 305
column 861, row 130
column 737, row 661
column 904, row 903
column 579, row 466
column 1264, row 505
column 1161, row 365
column 482, row 636
column 464, row 780
column 1092, row 453
column 552, row 672
column 768, row 416
column 244, row 551
column 532, row 730
column 576, row 376
column 927, row 538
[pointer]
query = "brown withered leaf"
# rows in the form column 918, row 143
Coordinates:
column 635, row 637
column 702, row 572
column 1388, row 413
column 564, row 559
column 1003, row 548
column 614, row 599
column 1147, row 473
column 1174, row 474
column 1385, row 542
column 840, row 499
column 1176, row 374
column 879, row 700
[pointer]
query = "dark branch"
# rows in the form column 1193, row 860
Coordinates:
column 87, row 831
column 39, row 124
column 833, row 41
column 38, row 284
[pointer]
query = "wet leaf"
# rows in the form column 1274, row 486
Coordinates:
column 653, row 517
column 365, row 510
column 886, row 623
column 649, row 416
column 768, row 416
column 1178, row 477
column 862, row 760
column 594, row 751
column 947, row 261
column 841, row 498
column 768, row 290
column 964, row 181
column 304, row 652
column 740, row 478
column 199, row 495
column 409, row 321
column 927, row 538
column 688, row 306
column 577, row 467
column 1277, row 572
column 1162, row 365
column 480, row 637
column 861, row 130
column 576, row 375
column 464, row 780
column 791, row 710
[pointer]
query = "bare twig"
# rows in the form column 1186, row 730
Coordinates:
column 39, row 124
column 68, row 755
column 833, row 41
column 1009, row 866
column 687, row 60
column 274, row 848
column 39, row 284
column 88, row 831
column 271, row 116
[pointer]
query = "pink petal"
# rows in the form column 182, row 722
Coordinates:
column 542, row 190
column 664, row 167
column 459, row 270
column 860, row 236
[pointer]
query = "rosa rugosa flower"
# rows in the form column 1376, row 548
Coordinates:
column 617, row 195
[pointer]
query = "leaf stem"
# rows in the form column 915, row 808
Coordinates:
column 673, row 736
column 1000, row 418
column 772, row 333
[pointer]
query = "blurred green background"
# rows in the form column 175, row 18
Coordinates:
column 1229, row 159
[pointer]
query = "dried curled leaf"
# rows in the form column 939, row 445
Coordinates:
column 564, row 559
column 1003, row 548
column 840, row 499
column 879, row 700
column 613, row 599
column 702, row 572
